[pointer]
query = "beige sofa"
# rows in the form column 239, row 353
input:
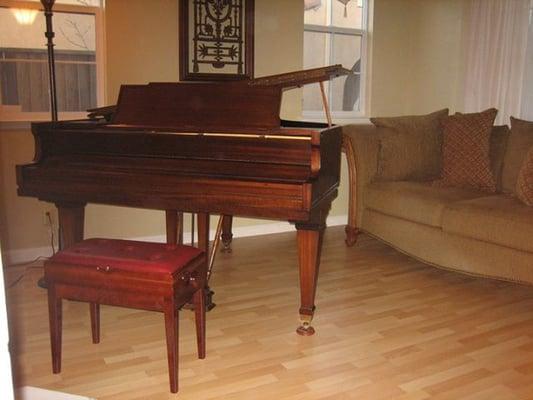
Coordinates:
column 465, row 230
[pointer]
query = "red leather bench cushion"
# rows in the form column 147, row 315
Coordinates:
column 128, row 255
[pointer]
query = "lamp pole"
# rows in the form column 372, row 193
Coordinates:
column 48, row 4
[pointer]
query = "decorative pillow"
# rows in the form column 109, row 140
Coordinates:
column 524, row 183
column 413, row 149
column 465, row 151
column 520, row 140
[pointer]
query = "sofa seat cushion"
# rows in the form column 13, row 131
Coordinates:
column 500, row 219
column 415, row 201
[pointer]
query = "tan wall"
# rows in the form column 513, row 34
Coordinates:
column 21, row 221
column 415, row 48
column 437, row 54
column 416, row 56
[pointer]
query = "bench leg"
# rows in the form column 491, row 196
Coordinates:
column 171, row 329
column 199, row 315
column 95, row 321
column 55, row 318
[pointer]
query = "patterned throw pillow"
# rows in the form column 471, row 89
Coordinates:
column 465, row 151
column 524, row 184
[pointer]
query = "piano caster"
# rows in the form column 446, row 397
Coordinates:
column 305, row 329
column 226, row 246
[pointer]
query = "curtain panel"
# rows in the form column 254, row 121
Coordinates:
column 495, row 45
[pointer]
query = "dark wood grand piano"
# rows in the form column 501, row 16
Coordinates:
column 204, row 148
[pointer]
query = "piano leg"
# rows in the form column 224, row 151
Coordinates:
column 203, row 243
column 174, row 226
column 309, row 248
column 226, row 236
column 71, row 218
column 71, row 223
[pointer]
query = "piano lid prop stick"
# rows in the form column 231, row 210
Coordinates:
column 48, row 4
column 216, row 243
column 325, row 102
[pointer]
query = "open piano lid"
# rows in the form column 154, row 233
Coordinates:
column 210, row 106
column 291, row 80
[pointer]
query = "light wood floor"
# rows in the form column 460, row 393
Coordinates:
column 388, row 327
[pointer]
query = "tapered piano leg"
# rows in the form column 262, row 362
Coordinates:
column 310, row 235
column 71, row 222
column 227, row 236
column 174, row 226
column 203, row 243
column 309, row 248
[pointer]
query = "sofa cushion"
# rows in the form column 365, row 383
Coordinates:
column 413, row 149
column 524, row 183
column 520, row 140
column 466, row 149
column 499, row 219
column 415, row 201
column 498, row 144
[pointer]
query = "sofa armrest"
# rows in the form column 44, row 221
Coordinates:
column 361, row 145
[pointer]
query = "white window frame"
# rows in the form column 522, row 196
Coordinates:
column 11, row 113
column 365, row 57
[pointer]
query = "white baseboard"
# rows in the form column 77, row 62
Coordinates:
column 30, row 254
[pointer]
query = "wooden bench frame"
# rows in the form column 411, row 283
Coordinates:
column 145, row 290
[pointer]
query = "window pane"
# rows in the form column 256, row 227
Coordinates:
column 315, row 12
column 347, row 14
column 346, row 89
column 24, row 67
column 316, row 54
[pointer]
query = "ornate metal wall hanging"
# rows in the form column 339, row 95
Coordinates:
column 216, row 39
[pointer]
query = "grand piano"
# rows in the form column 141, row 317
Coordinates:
column 203, row 148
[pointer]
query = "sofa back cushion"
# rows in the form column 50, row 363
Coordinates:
column 520, row 140
column 410, row 146
column 524, row 183
column 498, row 144
column 466, row 149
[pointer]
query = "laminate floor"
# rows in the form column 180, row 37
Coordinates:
column 388, row 327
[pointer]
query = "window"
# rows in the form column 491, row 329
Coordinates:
column 335, row 33
column 24, row 79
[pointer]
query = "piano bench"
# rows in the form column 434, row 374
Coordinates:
column 140, row 275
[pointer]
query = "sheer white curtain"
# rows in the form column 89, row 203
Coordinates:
column 527, row 88
column 495, row 37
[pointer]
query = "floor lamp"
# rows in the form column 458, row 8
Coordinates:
column 49, row 34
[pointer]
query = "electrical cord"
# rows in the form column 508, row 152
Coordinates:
column 28, row 266
column 21, row 276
